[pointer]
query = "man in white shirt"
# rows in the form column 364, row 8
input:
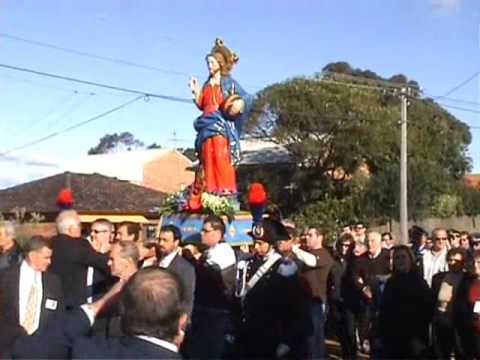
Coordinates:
column 435, row 260
column 212, row 316
column 102, row 235
column 30, row 295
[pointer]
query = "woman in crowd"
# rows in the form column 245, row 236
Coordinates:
column 406, row 309
column 343, row 296
column 467, row 311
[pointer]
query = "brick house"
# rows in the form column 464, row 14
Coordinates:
column 163, row 170
column 472, row 181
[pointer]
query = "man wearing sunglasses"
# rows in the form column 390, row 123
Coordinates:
column 102, row 236
column 212, row 317
column 435, row 259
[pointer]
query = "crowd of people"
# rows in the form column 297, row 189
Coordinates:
column 113, row 294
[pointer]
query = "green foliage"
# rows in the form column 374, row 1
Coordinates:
column 446, row 205
column 114, row 142
column 154, row 146
column 329, row 213
column 470, row 200
column 345, row 142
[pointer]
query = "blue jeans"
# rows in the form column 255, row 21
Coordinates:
column 316, row 342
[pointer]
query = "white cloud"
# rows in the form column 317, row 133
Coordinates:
column 16, row 170
column 446, row 6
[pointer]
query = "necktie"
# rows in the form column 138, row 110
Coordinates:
column 29, row 322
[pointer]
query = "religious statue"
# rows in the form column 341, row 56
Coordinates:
column 225, row 107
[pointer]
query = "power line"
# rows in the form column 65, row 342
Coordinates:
column 68, row 112
column 461, row 108
column 64, row 89
column 34, row 83
column 93, row 56
column 70, row 128
column 32, row 124
column 189, row 101
column 455, row 100
column 91, row 83
column 455, row 88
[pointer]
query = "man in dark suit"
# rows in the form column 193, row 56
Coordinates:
column 168, row 248
column 71, row 258
column 29, row 295
column 153, row 319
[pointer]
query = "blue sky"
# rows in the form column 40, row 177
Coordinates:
column 435, row 42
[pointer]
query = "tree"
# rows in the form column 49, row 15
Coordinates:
column 116, row 142
column 345, row 140
column 154, row 146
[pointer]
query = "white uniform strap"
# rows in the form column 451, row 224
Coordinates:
column 262, row 270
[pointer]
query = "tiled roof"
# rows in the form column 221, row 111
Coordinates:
column 91, row 192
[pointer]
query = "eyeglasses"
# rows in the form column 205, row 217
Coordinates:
column 95, row 231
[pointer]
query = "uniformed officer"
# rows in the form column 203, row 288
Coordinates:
column 273, row 322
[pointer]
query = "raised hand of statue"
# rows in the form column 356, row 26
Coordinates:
column 194, row 85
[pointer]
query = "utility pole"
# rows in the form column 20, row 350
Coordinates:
column 403, row 169
column 404, row 94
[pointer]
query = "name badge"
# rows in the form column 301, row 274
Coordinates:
column 51, row 304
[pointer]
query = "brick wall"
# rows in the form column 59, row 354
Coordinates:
column 168, row 173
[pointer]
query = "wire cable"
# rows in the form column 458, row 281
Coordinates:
column 461, row 108
column 72, row 127
column 67, row 113
column 455, row 88
column 90, row 55
column 33, row 124
column 91, row 83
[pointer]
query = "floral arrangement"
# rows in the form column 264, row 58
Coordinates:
column 211, row 204
column 174, row 203
column 218, row 205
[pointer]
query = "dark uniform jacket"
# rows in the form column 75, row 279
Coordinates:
column 274, row 311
